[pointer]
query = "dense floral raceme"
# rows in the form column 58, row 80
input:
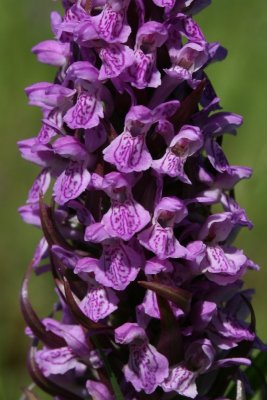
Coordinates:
column 139, row 232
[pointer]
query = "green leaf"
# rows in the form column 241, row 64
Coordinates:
column 180, row 297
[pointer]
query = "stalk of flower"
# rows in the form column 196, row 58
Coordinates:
column 149, row 283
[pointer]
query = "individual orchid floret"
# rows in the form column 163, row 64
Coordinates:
column 129, row 151
column 182, row 381
column 111, row 24
column 200, row 355
column 232, row 176
column 117, row 267
column 70, row 147
column 58, row 361
column 49, row 96
column 144, row 73
column 125, row 216
column 220, row 123
column 188, row 141
column 72, row 182
column 146, row 368
column 65, row 28
column 52, row 52
column 216, row 228
column 88, row 110
column 184, row 25
column 223, row 264
column 227, row 332
column 99, row 302
column 189, row 59
column 116, row 58
column 238, row 214
column 159, row 238
column 51, row 126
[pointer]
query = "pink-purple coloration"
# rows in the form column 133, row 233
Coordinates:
column 131, row 139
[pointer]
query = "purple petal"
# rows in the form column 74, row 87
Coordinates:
column 165, row 3
column 73, row 334
column 155, row 266
column 187, row 60
column 216, row 156
column 87, row 111
column 228, row 362
column 189, row 28
column 170, row 210
column 86, row 264
column 49, row 96
column 70, row 147
column 126, row 218
column 98, row 390
column 128, row 153
column 202, row 314
column 115, row 59
column 182, row 381
column 82, row 70
column 233, row 175
column 128, row 332
column 162, row 242
column 52, row 52
column 56, row 361
column 47, row 132
column 67, row 257
column 40, row 186
column 118, row 266
column 200, row 355
column 40, row 252
column 42, row 155
column 222, row 122
column 216, row 228
column 96, row 233
column 146, row 368
column 224, row 267
column 30, row 214
column 111, row 23
column 144, row 73
column 71, row 183
column 153, row 34
column 99, row 303
column 232, row 331
column 171, row 165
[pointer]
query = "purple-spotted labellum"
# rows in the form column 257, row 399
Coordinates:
column 149, row 282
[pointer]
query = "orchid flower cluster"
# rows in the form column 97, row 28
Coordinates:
column 138, row 234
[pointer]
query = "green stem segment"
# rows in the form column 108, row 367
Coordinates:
column 112, row 377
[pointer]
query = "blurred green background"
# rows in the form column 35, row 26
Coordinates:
column 240, row 81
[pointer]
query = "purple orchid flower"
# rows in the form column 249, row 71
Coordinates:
column 149, row 282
